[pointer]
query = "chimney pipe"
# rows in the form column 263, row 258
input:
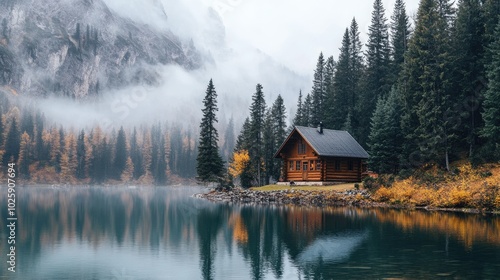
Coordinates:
column 320, row 128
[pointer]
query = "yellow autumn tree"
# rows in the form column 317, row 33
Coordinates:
column 240, row 162
column 128, row 172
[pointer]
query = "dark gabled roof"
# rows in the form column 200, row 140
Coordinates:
column 330, row 143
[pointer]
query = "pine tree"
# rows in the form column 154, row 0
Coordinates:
column 307, row 108
column 209, row 162
column 356, row 66
column 400, row 35
column 468, row 55
column 41, row 151
column 168, row 151
column 80, row 156
column 69, row 159
column 278, row 123
column 341, row 83
column 491, row 113
column 12, row 143
column 298, row 119
column 158, row 160
column 146, row 154
column 329, row 104
column 27, row 124
column 55, row 149
column 491, row 11
column 243, row 140
column 385, row 135
column 229, row 140
column 24, row 156
column 427, row 85
column 257, row 115
column 268, row 146
column 121, row 155
column 377, row 77
column 136, row 156
column 318, row 92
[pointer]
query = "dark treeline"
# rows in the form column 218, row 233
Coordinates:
column 156, row 154
column 416, row 95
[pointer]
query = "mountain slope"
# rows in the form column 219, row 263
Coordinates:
column 80, row 48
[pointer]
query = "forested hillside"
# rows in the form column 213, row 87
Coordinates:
column 413, row 94
column 416, row 93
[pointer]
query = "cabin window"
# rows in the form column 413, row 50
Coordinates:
column 350, row 165
column 302, row 147
column 304, row 167
column 297, row 165
column 337, row 165
column 311, row 165
column 318, row 164
column 290, row 164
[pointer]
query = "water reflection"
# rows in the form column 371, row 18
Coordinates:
column 164, row 233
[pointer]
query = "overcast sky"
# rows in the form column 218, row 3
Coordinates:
column 295, row 31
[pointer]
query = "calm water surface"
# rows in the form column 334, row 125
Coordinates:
column 164, row 233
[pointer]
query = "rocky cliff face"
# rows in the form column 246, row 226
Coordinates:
column 79, row 48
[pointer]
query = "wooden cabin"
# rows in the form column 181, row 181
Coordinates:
column 321, row 155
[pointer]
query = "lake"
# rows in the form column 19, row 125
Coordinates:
column 165, row 233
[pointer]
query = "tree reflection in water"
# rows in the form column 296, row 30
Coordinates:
column 222, row 240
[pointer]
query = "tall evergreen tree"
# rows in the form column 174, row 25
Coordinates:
column 385, row 135
column 377, row 75
column 136, row 156
column 242, row 147
column 491, row 114
column 268, row 146
column 41, row 150
column 427, row 84
column 468, row 55
column 209, row 162
column 243, row 140
column 257, row 118
column 12, row 143
column 318, row 92
column 80, row 156
column 307, row 109
column 298, row 119
column 158, row 160
column 341, row 83
column 329, row 73
column 400, row 35
column 356, row 65
column 229, row 140
column 27, row 124
column 120, row 158
column 24, row 156
column 491, row 11
column 278, row 113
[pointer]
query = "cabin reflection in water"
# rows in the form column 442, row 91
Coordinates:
column 168, row 228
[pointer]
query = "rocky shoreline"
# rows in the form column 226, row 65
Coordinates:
column 356, row 198
column 359, row 198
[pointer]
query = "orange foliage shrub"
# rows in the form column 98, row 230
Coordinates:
column 383, row 194
column 471, row 188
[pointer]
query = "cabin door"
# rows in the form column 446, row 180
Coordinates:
column 305, row 169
